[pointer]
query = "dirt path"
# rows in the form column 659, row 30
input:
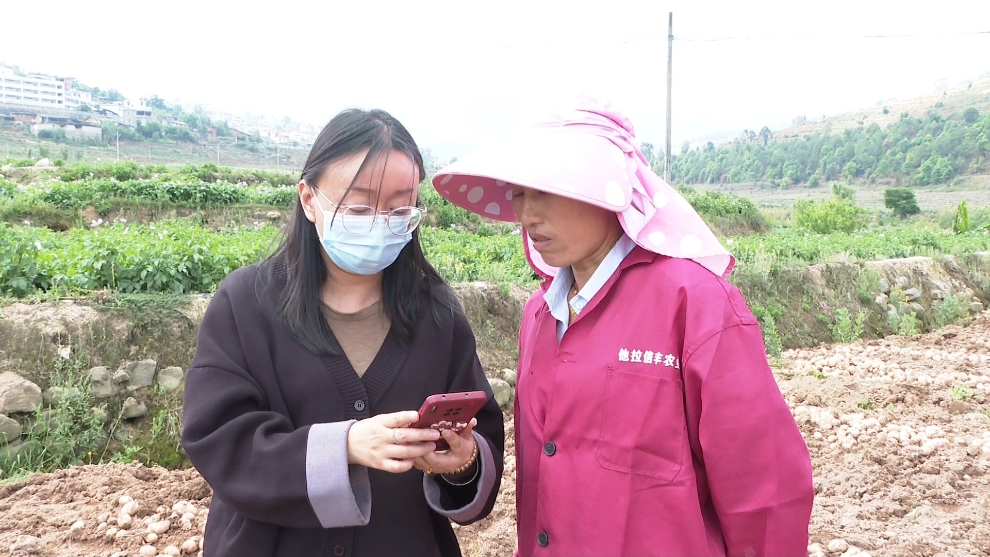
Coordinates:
column 899, row 430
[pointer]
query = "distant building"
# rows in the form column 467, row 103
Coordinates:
column 25, row 117
column 127, row 114
column 241, row 135
column 74, row 98
column 32, row 90
column 75, row 130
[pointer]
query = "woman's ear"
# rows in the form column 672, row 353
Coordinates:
column 306, row 196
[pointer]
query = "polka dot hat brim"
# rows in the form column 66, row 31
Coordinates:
column 555, row 161
column 588, row 154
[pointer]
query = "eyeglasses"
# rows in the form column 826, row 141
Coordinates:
column 361, row 219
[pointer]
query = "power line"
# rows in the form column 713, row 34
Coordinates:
column 828, row 37
column 584, row 42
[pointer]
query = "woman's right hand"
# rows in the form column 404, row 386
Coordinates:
column 370, row 442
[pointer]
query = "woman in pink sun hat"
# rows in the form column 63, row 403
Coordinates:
column 647, row 420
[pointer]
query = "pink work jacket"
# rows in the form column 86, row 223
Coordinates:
column 655, row 427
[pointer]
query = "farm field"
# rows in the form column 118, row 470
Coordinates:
column 973, row 189
column 878, row 339
column 898, row 430
column 17, row 142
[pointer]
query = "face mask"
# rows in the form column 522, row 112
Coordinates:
column 361, row 254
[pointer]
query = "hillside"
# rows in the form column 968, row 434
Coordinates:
column 954, row 100
column 923, row 142
column 17, row 142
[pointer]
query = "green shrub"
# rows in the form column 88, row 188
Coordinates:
column 7, row 189
column 843, row 191
column 178, row 257
column 444, row 214
column 903, row 324
column 961, row 223
column 21, row 163
column 767, row 317
column 797, row 246
column 948, row 310
column 901, row 201
column 845, row 330
column 714, row 205
column 69, row 433
column 124, row 171
column 829, row 215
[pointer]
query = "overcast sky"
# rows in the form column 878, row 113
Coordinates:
column 459, row 75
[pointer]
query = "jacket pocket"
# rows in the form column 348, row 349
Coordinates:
column 643, row 425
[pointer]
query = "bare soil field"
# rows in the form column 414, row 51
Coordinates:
column 974, row 190
column 898, row 429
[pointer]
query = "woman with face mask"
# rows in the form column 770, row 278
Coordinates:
column 311, row 366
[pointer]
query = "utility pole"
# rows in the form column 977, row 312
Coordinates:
column 670, row 56
column 118, row 146
column 276, row 157
column 218, row 141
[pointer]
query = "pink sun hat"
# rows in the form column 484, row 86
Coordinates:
column 586, row 152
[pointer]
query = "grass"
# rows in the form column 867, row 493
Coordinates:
column 76, row 429
column 949, row 310
column 846, row 329
column 68, row 432
column 961, row 392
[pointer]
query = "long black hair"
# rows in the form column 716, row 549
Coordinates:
column 410, row 285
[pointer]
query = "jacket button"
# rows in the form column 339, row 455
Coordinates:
column 359, row 405
column 543, row 539
column 550, row 449
column 339, row 551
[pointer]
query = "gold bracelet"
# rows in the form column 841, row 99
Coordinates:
column 462, row 468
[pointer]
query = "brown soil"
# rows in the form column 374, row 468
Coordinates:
column 899, row 431
column 932, row 199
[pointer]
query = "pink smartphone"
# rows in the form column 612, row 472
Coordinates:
column 450, row 411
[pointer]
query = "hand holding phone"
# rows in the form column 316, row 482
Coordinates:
column 451, row 411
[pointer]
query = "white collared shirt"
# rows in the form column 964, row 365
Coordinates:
column 556, row 295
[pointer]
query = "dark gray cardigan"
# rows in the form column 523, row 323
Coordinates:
column 266, row 421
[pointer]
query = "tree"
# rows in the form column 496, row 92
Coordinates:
column 901, row 201
column 766, row 135
column 971, row 115
column 178, row 134
column 842, row 191
column 929, row 150
column 157, row 102
column 223, row 129
column 647, row 149
column 85, row 108
column 114, row 95
column 191, row 120
column 57, row 135
column 149, row 130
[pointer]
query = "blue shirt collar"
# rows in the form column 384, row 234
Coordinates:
column 556, row 294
